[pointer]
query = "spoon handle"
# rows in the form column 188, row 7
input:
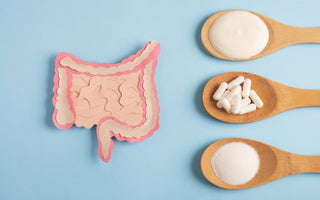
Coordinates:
column 295, row 98
column 305, row 35
column 283, row 35
column 306, row 98
column 304, row 164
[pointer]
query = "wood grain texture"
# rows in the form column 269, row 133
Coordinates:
column 277, row 98
column 274, row 164
column 280, row 36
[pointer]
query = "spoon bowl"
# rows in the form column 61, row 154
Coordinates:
column 268, row 163
column 274, row 164
column 277, row 98
column 280, row 36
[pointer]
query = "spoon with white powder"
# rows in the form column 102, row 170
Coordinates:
column 238, row 163
column 246, row 35
column 276, row 98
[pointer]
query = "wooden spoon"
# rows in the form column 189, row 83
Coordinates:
column 274, row 164
column 276, row 97
column 280, row 36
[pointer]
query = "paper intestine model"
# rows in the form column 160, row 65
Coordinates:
column 121, row 99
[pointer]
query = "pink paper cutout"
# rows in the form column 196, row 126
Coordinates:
column 120, row 99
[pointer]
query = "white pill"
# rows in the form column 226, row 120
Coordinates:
column 225, row 94
column 245, row 102
column 234, row 91
column 235, row 82
column 246, row 88
column 225, row 104
column 236, row 104
column 235, row 98
column 222, row 88
column 255, row 98
column 249, row 108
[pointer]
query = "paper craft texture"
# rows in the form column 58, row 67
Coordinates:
column 121, row 99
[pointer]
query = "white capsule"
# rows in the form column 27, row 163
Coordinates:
column 236, row 104
column 245, row 102
column 235, row 82
column 255, row 98
column 234, row 91
column 225, row 94
column 219, row 105
column 225, row 104
column 246, row 88
column 249, row 108
column 235, row 99
column 222, row 88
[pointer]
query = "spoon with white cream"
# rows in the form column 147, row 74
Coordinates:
column 238, row 163
column 245, row 35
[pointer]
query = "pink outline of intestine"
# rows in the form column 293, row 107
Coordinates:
column 151, row 57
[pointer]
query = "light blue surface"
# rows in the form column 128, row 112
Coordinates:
column 39, row 161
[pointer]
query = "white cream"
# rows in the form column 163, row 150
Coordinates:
column 238, row 34
column 235, row 163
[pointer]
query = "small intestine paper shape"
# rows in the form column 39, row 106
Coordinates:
column 121, row 99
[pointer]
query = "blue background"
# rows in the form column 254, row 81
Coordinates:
column 39, row 161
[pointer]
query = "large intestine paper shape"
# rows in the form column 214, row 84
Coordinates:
column 121, row 99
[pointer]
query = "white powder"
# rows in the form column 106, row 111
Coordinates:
column 235, row 163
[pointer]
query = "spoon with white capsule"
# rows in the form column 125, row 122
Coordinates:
column 280, row 35
column 274, row 164
column 277, row 98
